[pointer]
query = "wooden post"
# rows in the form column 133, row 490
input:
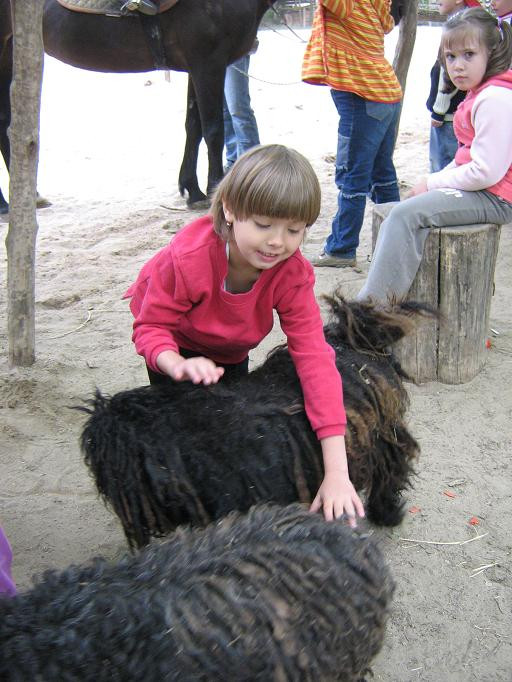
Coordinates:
column 456, row 277
column 24, row 137
column 404, row 48
column 406, row 39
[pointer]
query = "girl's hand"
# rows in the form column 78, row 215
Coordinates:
column 337, row 497
column 419, row 188
column 435, row 123
column 197, row 370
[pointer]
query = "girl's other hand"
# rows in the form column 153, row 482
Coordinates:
column 419, row 188
column 337, row 497
column 198, row 370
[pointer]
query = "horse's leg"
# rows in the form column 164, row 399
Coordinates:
column 5, row 148
column 4, row 206
column 188, row 172
column 209, row 87
column 5, row 84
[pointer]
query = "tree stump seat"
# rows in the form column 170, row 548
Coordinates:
column 456, row 278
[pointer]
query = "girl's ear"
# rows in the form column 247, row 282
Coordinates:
column 228, row 214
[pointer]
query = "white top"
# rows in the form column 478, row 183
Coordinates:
column 491, row 150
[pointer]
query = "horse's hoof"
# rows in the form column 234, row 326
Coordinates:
column 41, row 202
column 199, row 204
column 195, row 198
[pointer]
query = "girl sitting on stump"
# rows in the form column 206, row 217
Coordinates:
column 477, row 186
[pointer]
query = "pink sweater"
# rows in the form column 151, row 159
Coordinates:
column 179, row 300
column 482, row 125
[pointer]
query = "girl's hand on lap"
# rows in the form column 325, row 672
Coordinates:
column 198, row 370
column 419, row 188
column 337, row 497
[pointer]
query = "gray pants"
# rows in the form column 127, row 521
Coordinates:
column 402, row 235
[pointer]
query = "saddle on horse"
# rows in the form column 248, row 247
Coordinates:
column 118, row 8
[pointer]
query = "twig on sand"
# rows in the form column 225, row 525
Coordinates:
column 174, row 208
column 71, row 331
column 481, row 569
column 497, row 598
column 433, row 542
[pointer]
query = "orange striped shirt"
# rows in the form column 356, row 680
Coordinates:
column 346, row 49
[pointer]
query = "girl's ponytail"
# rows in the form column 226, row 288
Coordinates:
column 501, row 58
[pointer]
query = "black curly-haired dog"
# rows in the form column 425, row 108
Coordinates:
column 163, row 456
column 275, row 595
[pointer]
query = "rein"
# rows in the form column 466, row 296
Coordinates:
column 262, row 80
column 285, row 23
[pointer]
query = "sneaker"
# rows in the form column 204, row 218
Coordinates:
column 326, row 260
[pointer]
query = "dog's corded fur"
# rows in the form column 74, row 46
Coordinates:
column 163, row 456
column 276, row 595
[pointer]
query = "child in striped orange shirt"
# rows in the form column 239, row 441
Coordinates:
column 346, row 53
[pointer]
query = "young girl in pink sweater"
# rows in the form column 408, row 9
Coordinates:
column 477, row 186
column 205, row 300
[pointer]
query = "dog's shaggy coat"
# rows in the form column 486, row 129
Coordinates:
column 276, row 595
column 163, row 456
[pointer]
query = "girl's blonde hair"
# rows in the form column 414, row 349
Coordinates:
column 477, row 22
column 268, row 180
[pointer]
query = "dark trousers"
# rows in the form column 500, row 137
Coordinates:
column 231, row 371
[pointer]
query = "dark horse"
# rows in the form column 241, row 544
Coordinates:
column 198, row 37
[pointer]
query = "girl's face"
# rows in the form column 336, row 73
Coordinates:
column 263, row 242
column 466, row 63
column 446, row 7
column 502, row 7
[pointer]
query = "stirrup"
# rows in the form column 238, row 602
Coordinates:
column 143, row 6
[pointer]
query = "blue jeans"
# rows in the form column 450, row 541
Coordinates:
column 364, row 166
column 442, row 147
column 240, row 127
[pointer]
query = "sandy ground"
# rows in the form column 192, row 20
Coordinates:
column 111, row 148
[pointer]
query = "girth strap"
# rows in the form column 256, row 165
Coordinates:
column 154, row 38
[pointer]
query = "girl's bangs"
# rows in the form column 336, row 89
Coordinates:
column 280, row 193
column 462, row 37
column 295, row 200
